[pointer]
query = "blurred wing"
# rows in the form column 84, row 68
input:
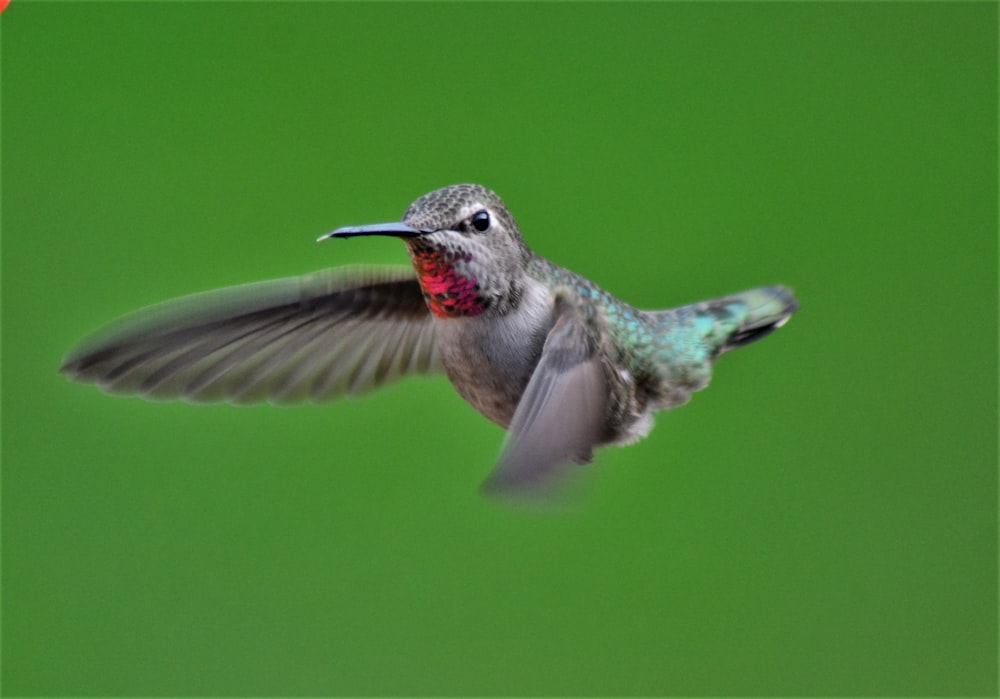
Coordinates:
column 560, row 416
column 314, row 337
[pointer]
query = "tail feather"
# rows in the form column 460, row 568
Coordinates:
column 767, row 309
column 737, row 320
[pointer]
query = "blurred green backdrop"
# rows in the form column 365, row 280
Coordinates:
column 821, row 520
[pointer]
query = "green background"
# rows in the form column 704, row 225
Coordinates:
column 821, row 520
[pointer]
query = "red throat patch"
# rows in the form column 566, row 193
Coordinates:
column 448, row 293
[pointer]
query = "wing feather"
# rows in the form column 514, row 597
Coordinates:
column 345, row 330
column 560, row 417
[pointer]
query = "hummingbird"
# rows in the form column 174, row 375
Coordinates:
column 560, row 363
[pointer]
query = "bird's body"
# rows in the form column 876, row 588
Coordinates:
column 534, row 347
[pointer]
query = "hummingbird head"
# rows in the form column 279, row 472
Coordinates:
column 465, row 247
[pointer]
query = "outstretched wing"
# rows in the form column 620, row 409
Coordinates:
column 314, row 337
column 560, row 417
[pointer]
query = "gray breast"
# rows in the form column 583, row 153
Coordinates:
column 490, row 359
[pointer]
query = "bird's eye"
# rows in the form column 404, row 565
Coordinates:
column 481, row 221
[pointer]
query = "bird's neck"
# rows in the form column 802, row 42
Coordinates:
column 448, row 292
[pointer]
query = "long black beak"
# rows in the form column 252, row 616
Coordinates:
column 396, row 230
